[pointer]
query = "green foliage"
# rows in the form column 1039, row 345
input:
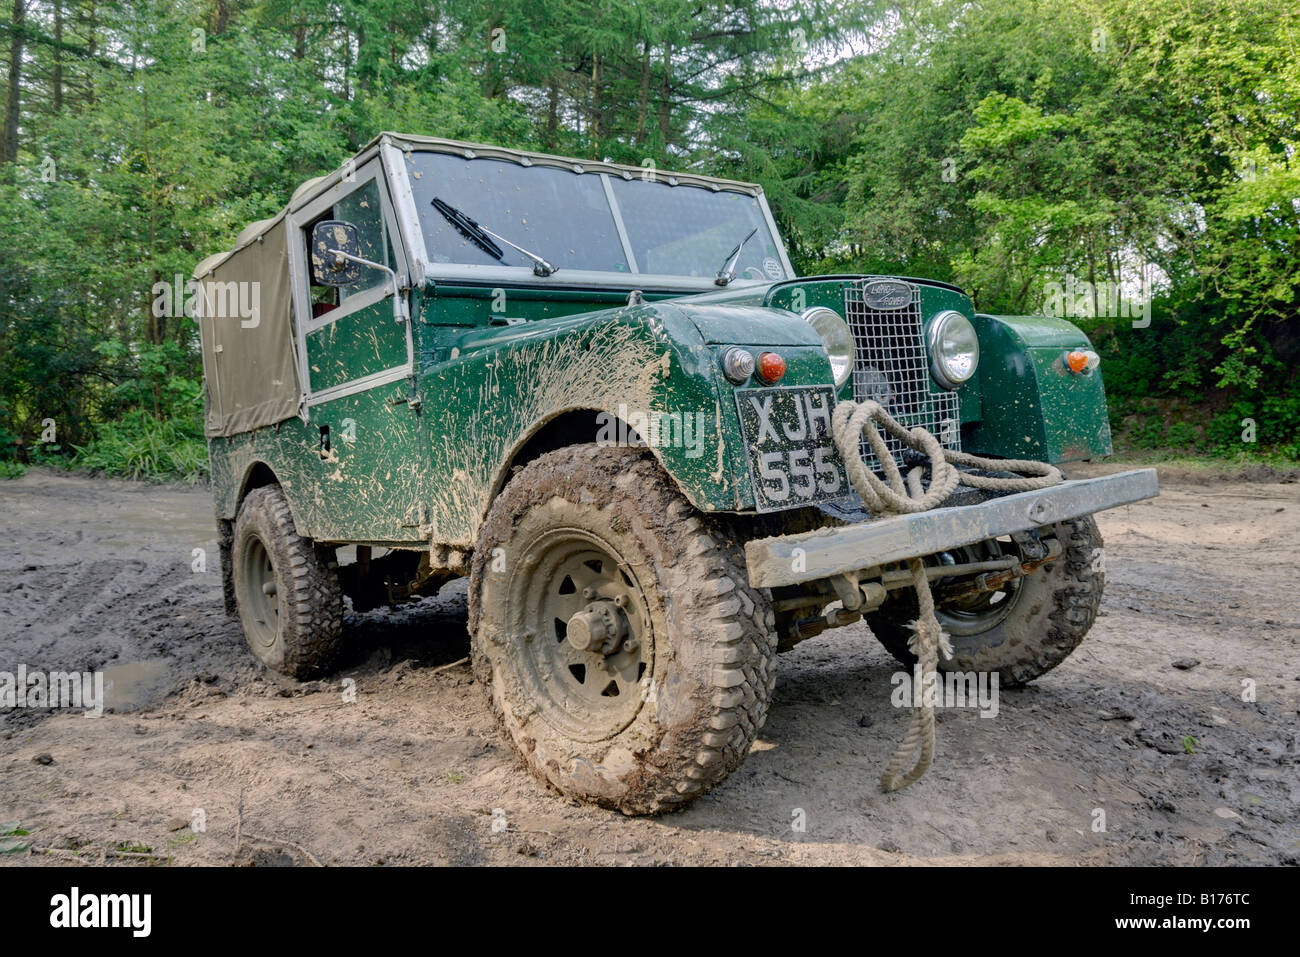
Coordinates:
column 139, row 445
column 1007, row 144
column 155, row 379
column 998, row 144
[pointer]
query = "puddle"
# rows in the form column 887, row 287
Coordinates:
column 135, row 684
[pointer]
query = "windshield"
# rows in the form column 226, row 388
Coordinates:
column 690, row 230
column 568, row 218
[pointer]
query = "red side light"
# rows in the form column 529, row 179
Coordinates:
column 770, row 367
column 1076, row 360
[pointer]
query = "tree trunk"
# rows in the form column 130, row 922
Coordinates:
column 347, row 64
column 665, row 108
column 644, row 101
column 552, row 113
column 597, row 120
column 155, row 327
column 91, row 37
column 56, row 79
column 13, row 102
column 363, row 60
column 1092, row 277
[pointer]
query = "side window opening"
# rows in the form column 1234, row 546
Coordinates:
column 323, row 299
column 362, row 208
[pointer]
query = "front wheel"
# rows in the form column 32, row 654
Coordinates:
column 287, row 592
column 612, row 626
column 1021, row 630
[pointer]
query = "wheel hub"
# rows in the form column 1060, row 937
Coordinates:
column 601, row 627
column 586, row 643
column 978, row 613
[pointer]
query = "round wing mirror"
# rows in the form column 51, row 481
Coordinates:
column 328, row 238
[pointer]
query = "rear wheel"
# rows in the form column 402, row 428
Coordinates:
column 612, row 626
column 286, row 588
column 1021, row 630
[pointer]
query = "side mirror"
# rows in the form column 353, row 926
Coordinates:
column 328, row 238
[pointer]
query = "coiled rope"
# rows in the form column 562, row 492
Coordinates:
column 896, row 495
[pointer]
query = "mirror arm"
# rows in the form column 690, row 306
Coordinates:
column 400, row 311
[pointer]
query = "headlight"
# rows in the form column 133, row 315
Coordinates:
column 954, row 349
column 835, row 337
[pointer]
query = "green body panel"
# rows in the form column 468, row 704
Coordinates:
column 359, row 344
column 398, row 474
column 367, row 487
column 742, row 324
column 1034, row 407
column 494, row 388
column 463, row 305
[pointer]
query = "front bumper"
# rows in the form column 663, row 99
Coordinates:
column 809, row 556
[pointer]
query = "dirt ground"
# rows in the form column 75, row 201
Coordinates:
column 101, row 575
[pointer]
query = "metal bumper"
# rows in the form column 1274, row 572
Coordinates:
column 791, row 559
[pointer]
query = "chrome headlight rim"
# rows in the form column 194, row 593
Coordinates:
column 825, row 314
column 934, row 340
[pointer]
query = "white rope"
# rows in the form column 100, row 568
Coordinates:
column 896, row 495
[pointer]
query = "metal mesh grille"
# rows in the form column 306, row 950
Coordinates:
column 891, row 366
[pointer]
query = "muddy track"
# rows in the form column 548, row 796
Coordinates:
column 102, row 575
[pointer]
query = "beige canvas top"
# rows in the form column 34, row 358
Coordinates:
column 246, row 333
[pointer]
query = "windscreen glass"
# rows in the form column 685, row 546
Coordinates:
column 566, row 218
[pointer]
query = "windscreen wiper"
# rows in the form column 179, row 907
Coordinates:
column 728, row 270
column 482, row 237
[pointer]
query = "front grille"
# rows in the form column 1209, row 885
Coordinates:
column 892, row 367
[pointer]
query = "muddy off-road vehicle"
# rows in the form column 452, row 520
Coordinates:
column 602, row 394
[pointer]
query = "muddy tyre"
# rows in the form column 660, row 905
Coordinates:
column 286, row 588
column 1022, row 631
column 615, row 634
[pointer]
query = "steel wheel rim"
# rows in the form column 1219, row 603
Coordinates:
column 981, row 613
column 585, row 694
column 263, row 608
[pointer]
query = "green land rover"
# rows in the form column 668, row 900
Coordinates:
column 602, row 394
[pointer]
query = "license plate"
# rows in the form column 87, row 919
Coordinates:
column 792, row 457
